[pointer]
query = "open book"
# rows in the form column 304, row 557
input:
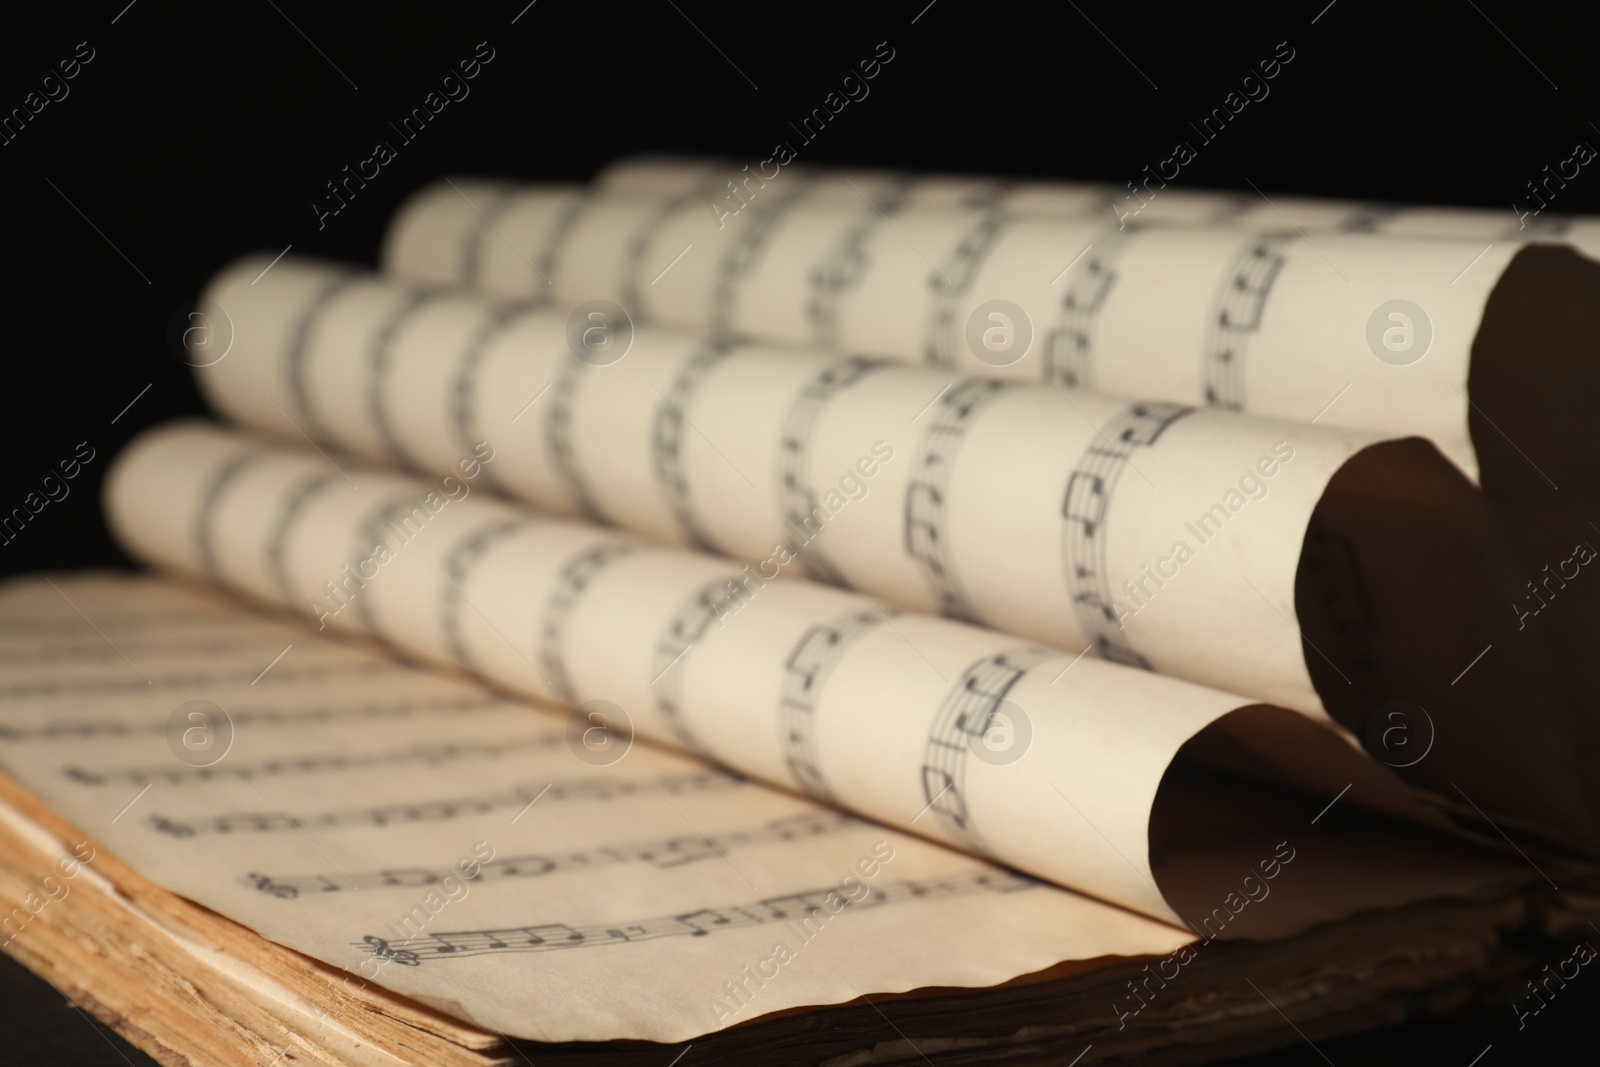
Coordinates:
column 347, row 825
column 827, row 709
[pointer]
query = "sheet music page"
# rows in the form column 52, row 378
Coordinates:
column 1158, row 535
column 1147, row 200
column 450, row 844
column 1050, row 763
column 1366, row 330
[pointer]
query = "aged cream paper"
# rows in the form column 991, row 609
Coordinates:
column 1158, row 535
column 446, row 843
column 1003, row 748
column 1370, row 331
column 1149, row 199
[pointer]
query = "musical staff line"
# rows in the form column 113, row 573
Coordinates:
column 558, row 440
column 433, row 755
column 965, row 716
column 806, row 671
column 690, row 622
column 181, row 682
column 574, row 577
column 799, row 499
column 668, row 401
column 380, row 363
column 950, row 290
column 222, row 478
column 58, row 653
column 1297, row 229
column 797, row 907
column 490, row 223
column 472, row 241
column 1239, row 308
column 573, row 790
column 662, row 853
column 926, row 514
column 667, row 432
column 297, row 349
column 299, row 499
column 743, row 257
column 458, row 562
column 373, row 531
column 1069, row 347
column 1085, row 508
column 499, row 319
column 845, row 265
column 630, row 292
column 890, row 223
column 707, row 839
column 267, row 716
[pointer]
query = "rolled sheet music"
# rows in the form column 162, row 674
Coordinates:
column 1311, row 566
column 1369, row 331
column 327, row 803
column 813, row 688
column 1150, row 199
column 1482, row 344
column 415, row 831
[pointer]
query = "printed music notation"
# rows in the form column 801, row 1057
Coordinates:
column 380, row 361
column 458, row 563
column 19, row 628
column 739, row 263
column 1238, row 315
column 630, row 292
column 281, row 675
column 691, row 620
column 927, row 533
column 261, row 716
column 498, row 319
column 668, row 429
column 965, row 716
column 297, row 349
column 431, row 755
column 575, row 576
column 222, row 478
column 800, row 500
column 485, row 222
column 547, row 261
column 1084, row 508
column 805, row 671
column 377, row 526
column 845, row 265
column 558, row 438
column 598, row 790
column 798, row 908
column 951, row 286
column 98, row 650
column 1069, row 349
column 294, row 507
column 663, row 854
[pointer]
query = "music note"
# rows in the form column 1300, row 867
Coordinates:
column 1240, row 308
column 1085, row 505
column 800, row 500
column 926, row 495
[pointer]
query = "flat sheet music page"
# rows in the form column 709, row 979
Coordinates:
column 448, row 843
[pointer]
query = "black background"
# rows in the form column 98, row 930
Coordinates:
column 203, row 131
